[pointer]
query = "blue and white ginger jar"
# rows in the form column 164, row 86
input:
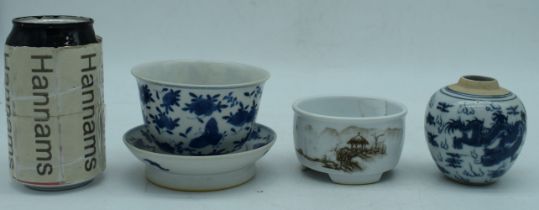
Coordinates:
column 475, row 129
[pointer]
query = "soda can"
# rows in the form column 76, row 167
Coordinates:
column 54, row 102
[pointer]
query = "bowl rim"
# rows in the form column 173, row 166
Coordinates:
column 298, row 110
column 137, row 69
column 202, row 157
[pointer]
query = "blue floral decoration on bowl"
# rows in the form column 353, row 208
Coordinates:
column 186, row 120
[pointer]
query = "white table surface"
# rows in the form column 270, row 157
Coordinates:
column 402, row 51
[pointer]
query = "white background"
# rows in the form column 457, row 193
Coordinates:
column 403, row 50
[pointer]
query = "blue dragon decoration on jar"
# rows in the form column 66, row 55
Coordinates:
column 475, row 129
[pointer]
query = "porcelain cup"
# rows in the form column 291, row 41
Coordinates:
column 197, row 107
column 353, row 139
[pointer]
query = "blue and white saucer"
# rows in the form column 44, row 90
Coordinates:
column 196, row 172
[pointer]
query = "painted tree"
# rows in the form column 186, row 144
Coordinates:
column 377, row 141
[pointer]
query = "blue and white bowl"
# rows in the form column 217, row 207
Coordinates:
column 196, row 107
column 475, row 129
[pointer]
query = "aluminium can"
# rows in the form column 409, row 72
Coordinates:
column 54, row 102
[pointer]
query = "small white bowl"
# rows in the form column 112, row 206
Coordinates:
column 200, row 173
column 353, row 139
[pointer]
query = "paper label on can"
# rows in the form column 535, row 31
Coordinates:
column 55, row 113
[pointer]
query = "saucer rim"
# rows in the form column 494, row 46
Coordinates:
column 201, row 157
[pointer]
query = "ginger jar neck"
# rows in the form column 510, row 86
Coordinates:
column 478, row 85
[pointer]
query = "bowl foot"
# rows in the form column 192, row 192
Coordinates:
column 199, row 182
column 355, row 179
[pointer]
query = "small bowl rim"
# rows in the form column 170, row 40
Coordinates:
column 135, row 71
column 202, row 157
column 295, row 107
